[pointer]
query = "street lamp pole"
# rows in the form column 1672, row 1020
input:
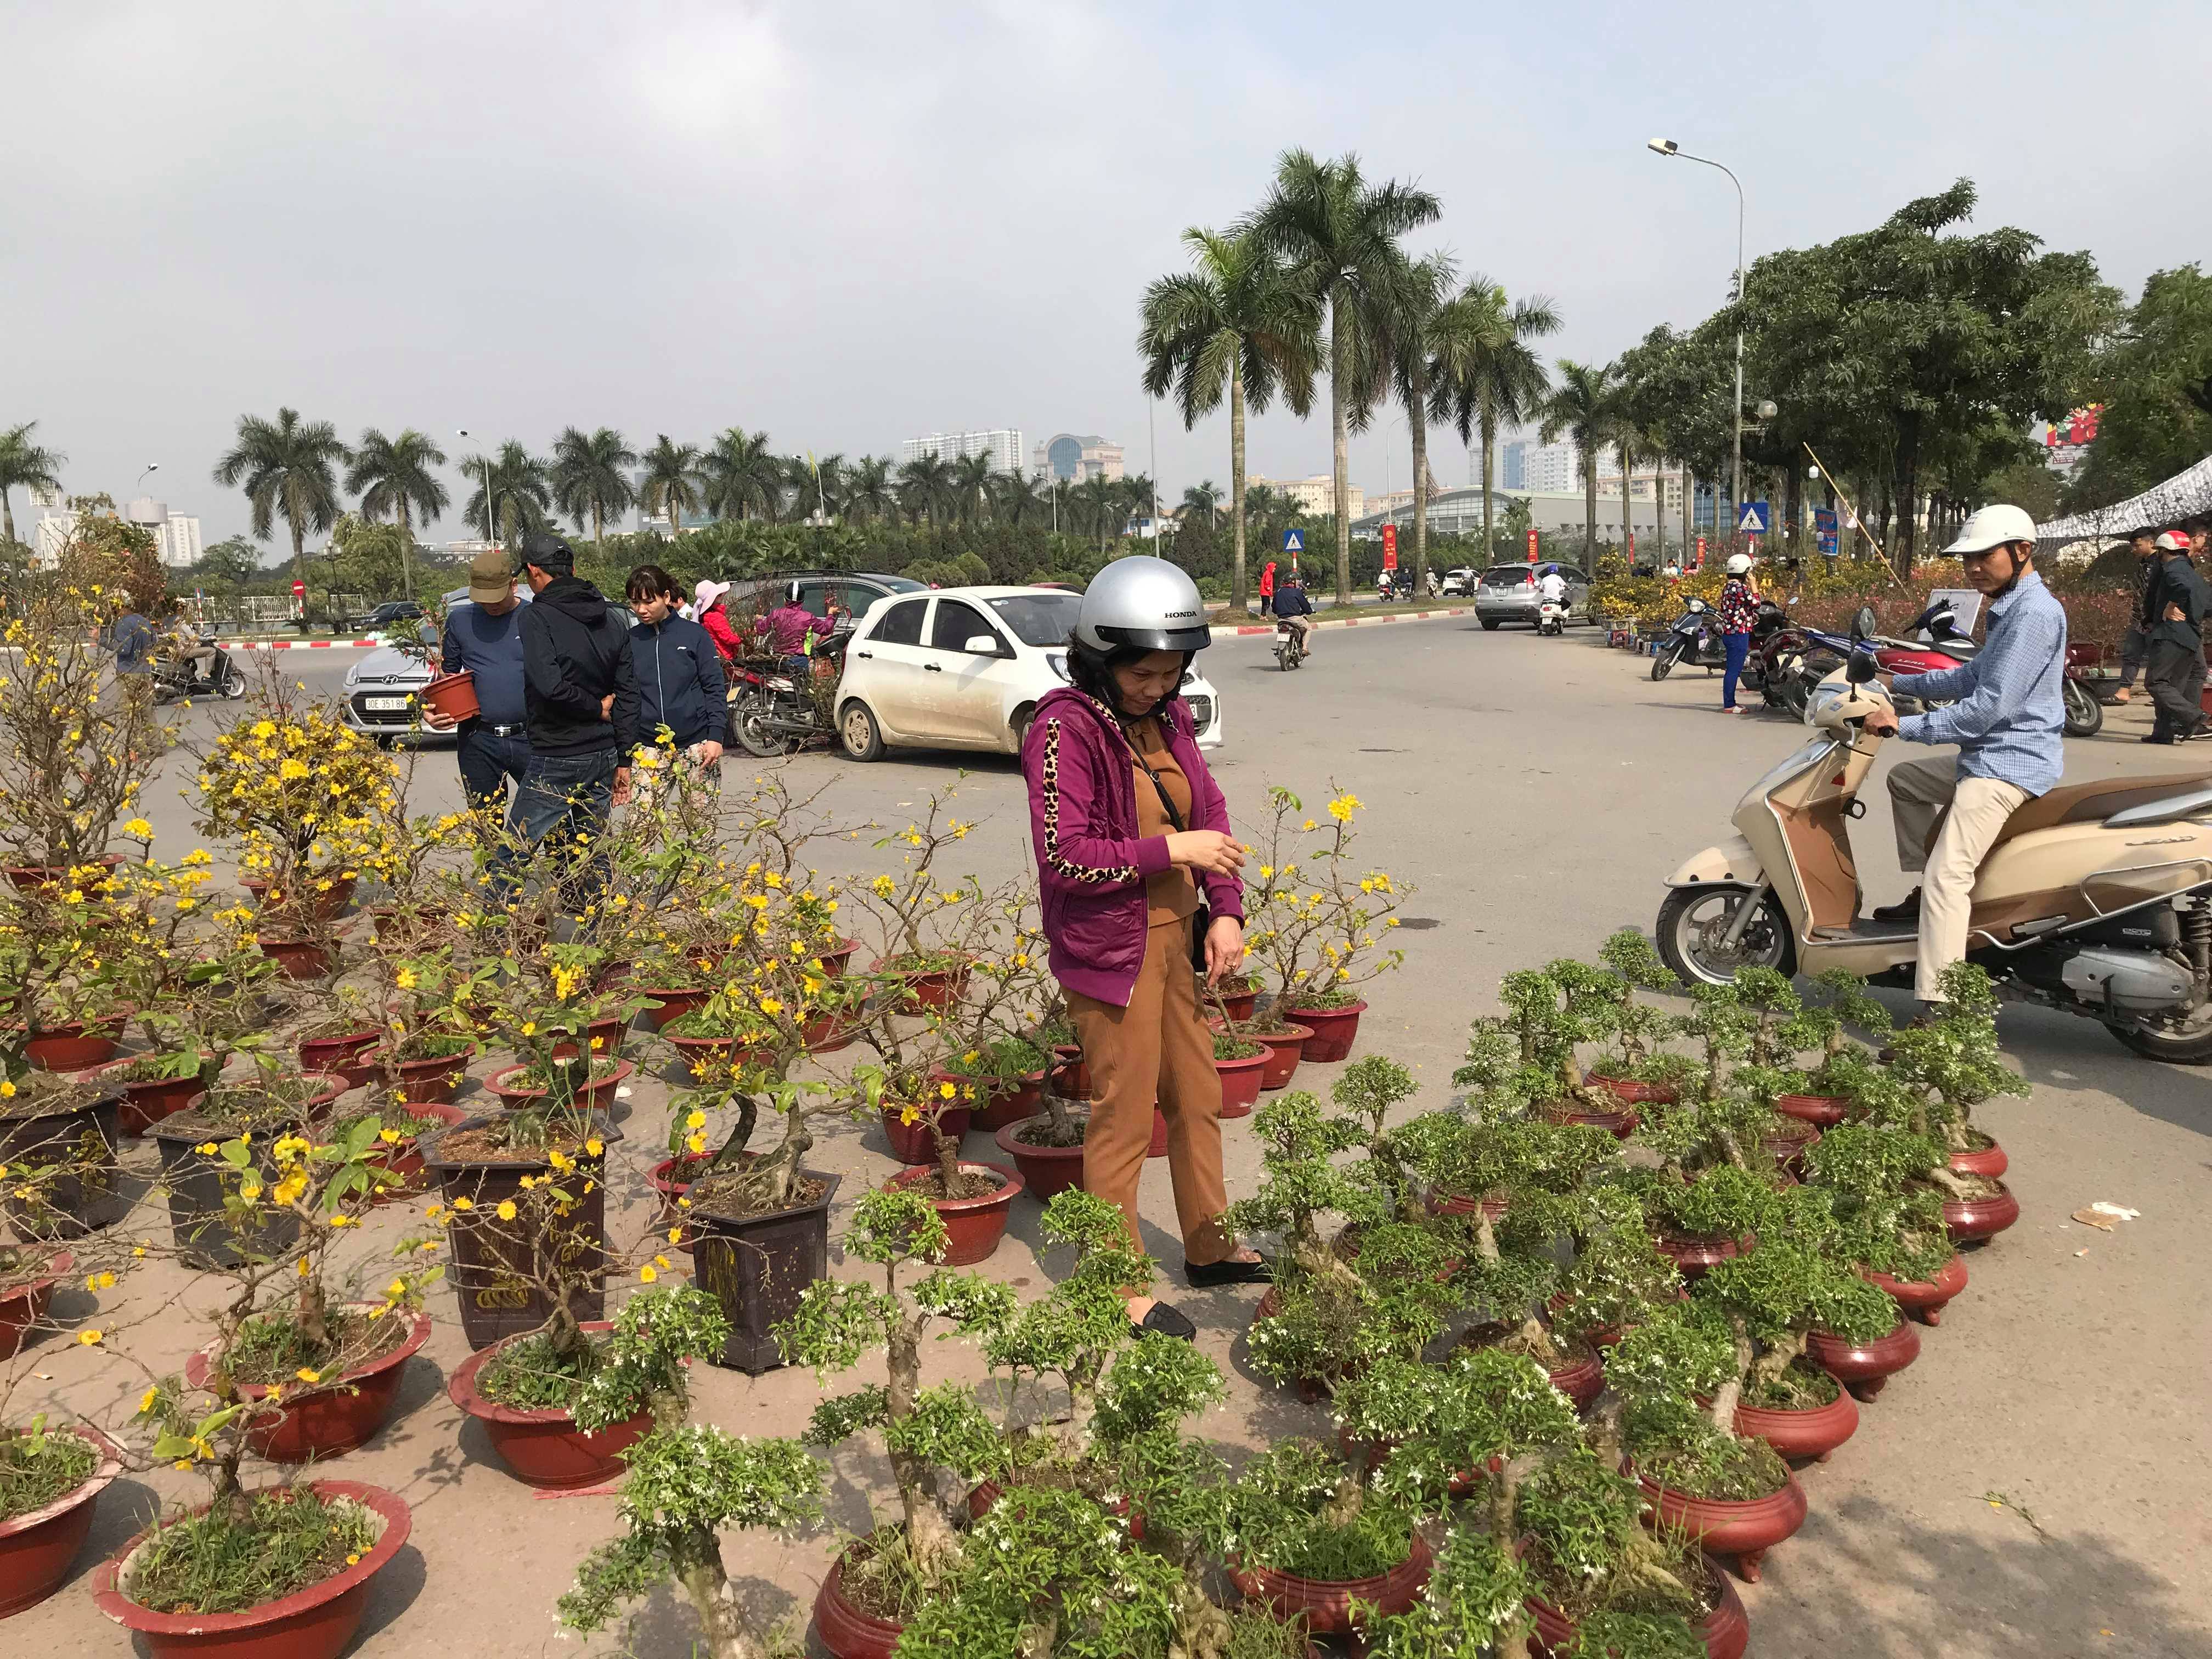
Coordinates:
column 1669, row 147
column 483, row 475
column 1152, row 439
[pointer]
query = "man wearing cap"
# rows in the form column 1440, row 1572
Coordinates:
column 2174, row 611
column 2007, row 716
column 485, row 637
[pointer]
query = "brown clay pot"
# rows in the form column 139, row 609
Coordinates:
column 598, row 1096
column 914, row 1143
column 1787, row 1149
column 1285, row 1050
column 842, row 1628
column 436, row 1077
column 1620, row 1125
column 1797, row 1435
column 1333, row 1029
column 30, row 878
column 1925, row 1298
column 1630, row 1092
column 1746, row 1528
column 1822, row 1111
column 1989, row 1162
column 672, row 1004
column 300, row 958
column 24, row 1303
column 936, row 987
column 451, row 698
column 1968, row 1220
column 1240, row 1083
column 324, row 906
column 975, row 1224
column 603, row 1036
column 545, row 1448
column 825, row 1033
column 1071, row 1076
column 840, row 957
column 74, row 1045
column 1325, row 1604
column 147, row 1101
column 1864, row 1367
column 347, row 1056
column 997, row 1103
column 1694, row 1256
column 403, row 1161
column 335, row 1419
column 1581, row 1377
column 1448, row 1204
column 1238, row 1004
column 37, row 1548
column 1047, row 1172
column 1725, row 1632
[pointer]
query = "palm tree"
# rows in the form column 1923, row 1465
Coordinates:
column 515, row 485
column 1582, row 407
column 286, row 465
column 744, row 477
column 925, row 487
column 1014, row 497
column 821, row 484
column 25, row 463
column 393, row 479
column 669, row 482
column 971, row 486
column 591, row 476
column 1098, row 499
column 1338, row 236
column 1204, row 496
column 1487, row 373
column 868, row 492
column 1422, row 322
column 1234, row 321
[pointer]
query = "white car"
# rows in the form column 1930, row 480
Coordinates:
column 964, row 668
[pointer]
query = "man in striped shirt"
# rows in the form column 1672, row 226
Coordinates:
column 2007, row 716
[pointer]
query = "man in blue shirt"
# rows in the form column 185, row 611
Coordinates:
column 485, row 637
column 1292, row 606
column 2008, row 715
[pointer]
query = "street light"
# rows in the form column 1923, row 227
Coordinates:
column 1669, row 147
column 483, row 462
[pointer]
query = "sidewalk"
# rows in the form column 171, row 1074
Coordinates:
column 1228, row 631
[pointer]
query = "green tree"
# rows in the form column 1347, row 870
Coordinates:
column 369, row 558
column 1338, row 236
column 971, row 487
column 1236, row 322
column 231, row 561
column 1204, row 496
column 925, row 489
column 2155, row 382
column 670, row 483
column 590, row 476
column 287, row 466
column 514, row 483
column 869, row 492
column 1486, row 373
column 1014, row 497
column 744, row 477
column 392, row 477
column 1584, row 407
column 28, row 464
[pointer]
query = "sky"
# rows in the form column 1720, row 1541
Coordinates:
column 847, row 224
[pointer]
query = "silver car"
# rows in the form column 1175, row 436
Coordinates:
column 1508, row 593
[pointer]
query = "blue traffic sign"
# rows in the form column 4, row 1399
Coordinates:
column 1753, row 519
column 1294, row 541
column 1824, row 521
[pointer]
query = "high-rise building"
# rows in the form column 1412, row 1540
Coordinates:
column 1071, row 460
column 180, row 545
column 1002, row 444
column 1513, row 465
column 1316, row 494
column 1548, row 469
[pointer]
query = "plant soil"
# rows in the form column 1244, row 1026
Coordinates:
column 529, row 1377
column 1803, row 1387
column 206, row 1564
column 1229, row 1048
column 1753, row 1471
column 880, row 1579
column 31, row 1480
column 1041, row 1131
column 272, row 1348
column 733, row 1198
column 488, row 1143
column 1621, row 1593
column 969, row 1183
column 38, row 1093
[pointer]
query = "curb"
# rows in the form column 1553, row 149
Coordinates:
column 1232, row 630
column 298, row 645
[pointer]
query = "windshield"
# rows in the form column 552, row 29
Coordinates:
column 1506, row 576
column 1039, row 618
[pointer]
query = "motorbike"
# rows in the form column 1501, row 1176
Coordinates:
column 1289, row 647
column 1695, row 637
column 2096, row 898
column 1939, row 645
column 1788, row 660
column 174, row 678
column 1552, row 616
column 774, row 707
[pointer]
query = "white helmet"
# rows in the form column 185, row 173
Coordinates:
column 1142, row 601
column 1738, row 563
column 1993, row 527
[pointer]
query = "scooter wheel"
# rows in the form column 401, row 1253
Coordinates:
column 1664, row 664
column 2190, row 1048
column 1691, row 925
column 2085, row 716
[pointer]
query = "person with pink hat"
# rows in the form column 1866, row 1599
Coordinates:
column 707, row 610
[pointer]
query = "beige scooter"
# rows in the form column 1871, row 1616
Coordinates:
column 2096, row 897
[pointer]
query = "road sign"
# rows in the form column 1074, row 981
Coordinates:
column 1753, row 519
column 1390, row 547
column 1531, row 547
column 1824, row 521
column 299, row 588
column 1294, row 541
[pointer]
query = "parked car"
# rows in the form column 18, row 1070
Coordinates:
column 1507, row 593
column 964, row 667
column 389, row 615
column 853, row 590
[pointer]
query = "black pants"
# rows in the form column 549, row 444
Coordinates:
column 487, row 762
column 2132, row 645
column 2173, row 674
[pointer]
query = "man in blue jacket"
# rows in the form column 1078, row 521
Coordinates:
column 1292, row 606
column 673, row 679
column 485, row 637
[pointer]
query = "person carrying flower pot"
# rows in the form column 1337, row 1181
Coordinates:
column 1139, row 876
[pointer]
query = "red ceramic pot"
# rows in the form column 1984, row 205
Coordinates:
column 1620, row 1125
column 30, row 878
column 1630, row 1092
column 23, row 1303
column 838, row 958
column 1864, row 1367
column 1925, row 1297
column 1333, row 1029
column 1237, row 1005
column 1047, row 1172
column 1972, row 1219
column 329, row 903
column 938, row 987
column 1581, row 1377
column 1002, row 1102
column 672, row 1005
column 1240, row 1083
column 696, row 1056
column 1694, row 1256
column 545, row 1448
column 346, row 1056
column 147, row 1101
column 603, row 1037
column 977, row 1225
column 914, row 1142
column 671, row 1178
column 300, row 958
column 37, row 1548
column 318, row 1622
column 1283, row 1052
column 1725, row 1632
column 338, row 1418
column 1325, row 1604
column 1822, row 1111
column 1447, row 1204
column 403, row 1161
column 435, row 1078
column 1071, row 1077
column 1746, row 1528
column 843, row 1628
column 451, row 698
column 74, row 1045
column 598, row 1096
column 1989, row 1162
column 1788, row 1148
column 825, row 1033
column 1813, row 1433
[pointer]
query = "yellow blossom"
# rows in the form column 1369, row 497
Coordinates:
column 464, row 1204
column 648, row 1274
column 309, row 1374
column 87, row 1339
column 506, row 1210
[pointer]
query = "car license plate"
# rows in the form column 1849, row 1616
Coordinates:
column 384, row 705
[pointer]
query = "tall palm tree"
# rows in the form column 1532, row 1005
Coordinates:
column 1097, row 500
column 669, row 481
column 287, row 466
column 25, row 463
column 1236, row 321
column 868, row 490
column 971, row 486
column 392, row 477
column 925, row 487
column 591, row 476
column 1014, row 497
column 744, row 477
column 821, row 482
column 1338, row 236
column 1582, row 406
column 515, row 484
column 1488, row 374
column 1422, row 319
column 1204, row 496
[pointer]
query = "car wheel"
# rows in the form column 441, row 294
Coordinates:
column 1022, row 720
column 863, row 739
column 384, row 742
column 1488, row 626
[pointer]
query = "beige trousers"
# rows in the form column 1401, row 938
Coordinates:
column 1974, row 811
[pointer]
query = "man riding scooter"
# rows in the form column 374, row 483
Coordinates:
column 1294, row 610
column 2007, row 714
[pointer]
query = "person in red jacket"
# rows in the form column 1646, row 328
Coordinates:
column 1268, row 587
column 706, row 609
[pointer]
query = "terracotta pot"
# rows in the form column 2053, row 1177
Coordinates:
column 1969, row 1219
column 671, row 1179
column 1788, row 1150
column 1822, row 1111
column 825, row 1033
column 1620, row 1125
column 346, row 1056
column 1284, row 1053
column 1580, row 1377
column 37, row 1548
column 1159, row 1146
column 1745, row 1528
column 1695, row 1255
column 1450, row 1204
column 1989, row 1162
column 609, row 1033
column 24, row 1303
column 74, row 1045
column 1325, row 1604
column 404, row 1160
column 757, row 1266
column 1311, row 1389
column 148, row 1100
column 88, row 1193
column 977, row 1225
column 326, row 904
column 300, row 958
column 1630, row 1092
column 937, row 987
column 699, row 1056
column 1239, row 1005
column 1047, row 1172
column 1813, row 1432
column 451, row 698
column 1924, row 1298
column 914, row 1142
column 672, row 1004
column 998, row 1104
column 545, row 1448
column 838, row 958
column 1240, row 1083
column 1725, row 1632
column 398, row 929
column 843, row 1628
column 324, row 1424
column 30, row 878
column 1864, row 1367
column 597, row 1096
column 1333, row 1029
column 316, row 1623
column 436, row 1077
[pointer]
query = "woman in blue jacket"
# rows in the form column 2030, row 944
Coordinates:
column 674, row 677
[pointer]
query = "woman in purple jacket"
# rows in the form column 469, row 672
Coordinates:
column 1135, row 857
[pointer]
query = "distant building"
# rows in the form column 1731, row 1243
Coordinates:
column 1316, row 494
column 1513, row 465
column 176, row 535
column 1550, row 469
column 1660, row 483
column 1071, row 460
column 1002, row 444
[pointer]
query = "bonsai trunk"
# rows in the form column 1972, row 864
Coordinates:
column 1774, row 1365
column 1538, row 1341
column 1724, row 1402
column 948, row 1157
column 1202, row 1630
column 562, row 1335
column 732, row 1148
column 707, row 1586
column 1505, row 1502
column 314, row 1313
column 929, row 1537
column 1343, row 1507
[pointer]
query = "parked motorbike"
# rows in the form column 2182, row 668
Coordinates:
column 2096, row 898
column 174, row 678
column 1694, row 638
column 1289, row 647
column 774, row 709
column 1937, row 645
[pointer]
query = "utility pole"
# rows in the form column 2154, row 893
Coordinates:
column 1669, row 147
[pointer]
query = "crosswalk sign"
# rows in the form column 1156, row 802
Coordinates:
column 1753, row 521
column 1294, row 541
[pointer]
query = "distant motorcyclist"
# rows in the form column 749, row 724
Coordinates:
column 1552, row 589
column 1295, row 610
column 198, row 657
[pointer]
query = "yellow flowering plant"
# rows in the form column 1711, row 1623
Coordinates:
column 1318, row 920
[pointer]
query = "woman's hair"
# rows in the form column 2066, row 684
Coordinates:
column 649, row 581
column 1091, row 672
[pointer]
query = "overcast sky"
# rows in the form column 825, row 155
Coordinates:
column 848, row 224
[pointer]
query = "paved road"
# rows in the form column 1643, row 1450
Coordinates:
column 1536, row 791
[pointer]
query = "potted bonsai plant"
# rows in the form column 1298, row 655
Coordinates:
column 1636, row 1068
column 1949, row 1067
column 1324, row 944
column 1889, row 1218
column 1307, row 1537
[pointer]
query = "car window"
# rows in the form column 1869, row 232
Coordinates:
column 1040, row 619
column 901, row 625
column 1505, row 575
column 956, row 624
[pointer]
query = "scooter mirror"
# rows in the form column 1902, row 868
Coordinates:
column 1864, row 625
column 1861, row 669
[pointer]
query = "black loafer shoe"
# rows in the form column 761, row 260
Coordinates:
column 1205, row 1275
column 1906, row 910
column 1163, row 1321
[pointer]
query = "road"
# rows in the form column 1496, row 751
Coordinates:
column 1536, row 791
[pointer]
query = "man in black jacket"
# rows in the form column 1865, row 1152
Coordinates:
column 575, row 652
column 2174, row 609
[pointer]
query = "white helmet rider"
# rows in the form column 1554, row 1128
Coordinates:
column 1738, row 563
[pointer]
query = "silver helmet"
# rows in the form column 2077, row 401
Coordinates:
column 1144, row 602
